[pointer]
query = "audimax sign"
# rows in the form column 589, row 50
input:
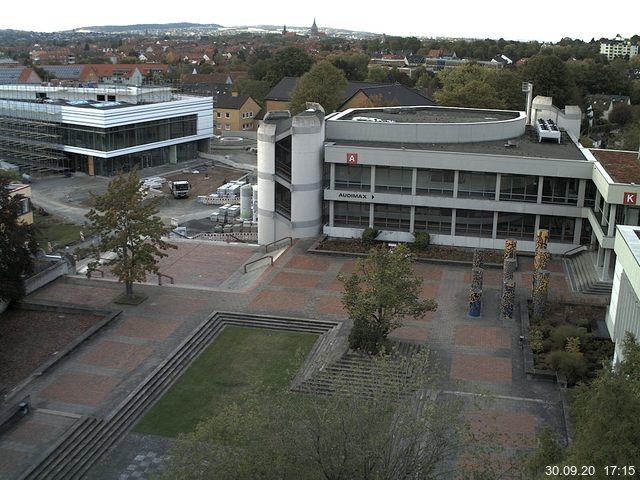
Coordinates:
column 630, row 198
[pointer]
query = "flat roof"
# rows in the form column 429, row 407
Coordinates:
column 523, row 146
column 622, row 166
column 429, row 114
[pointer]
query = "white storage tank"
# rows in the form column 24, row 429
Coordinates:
column 245, row 201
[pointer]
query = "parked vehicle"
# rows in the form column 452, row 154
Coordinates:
column 180, row 189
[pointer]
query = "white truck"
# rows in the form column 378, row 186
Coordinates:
column 180, row 189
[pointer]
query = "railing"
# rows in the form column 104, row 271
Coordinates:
column 269, row 257
column 160, row 275
column 577, row 249
column 268, row 245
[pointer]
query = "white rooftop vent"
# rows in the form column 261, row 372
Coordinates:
column 547, row 129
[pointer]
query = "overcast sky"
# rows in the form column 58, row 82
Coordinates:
column 547, row 20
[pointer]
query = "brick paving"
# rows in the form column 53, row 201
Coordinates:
column 473, row 352
column 481, row 368
column 506, row 428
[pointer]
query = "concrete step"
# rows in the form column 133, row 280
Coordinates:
column 585, row 276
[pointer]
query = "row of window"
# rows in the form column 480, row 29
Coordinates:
column 471, row 223
column 116, row 138
column 520, row 188
column 228, row 115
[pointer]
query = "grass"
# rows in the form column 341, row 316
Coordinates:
column 237, row 361
column 52, row 229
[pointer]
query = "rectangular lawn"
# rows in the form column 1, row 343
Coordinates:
column 238, row 359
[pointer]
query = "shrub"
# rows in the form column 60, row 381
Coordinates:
column 560, row 334
column 535, row 340
column 369, row 235
column 571, row 365
column 572, row 345
column 422, row 240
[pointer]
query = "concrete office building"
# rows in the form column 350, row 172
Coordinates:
column 102, row 129
column 468, row 177
column 623, row 314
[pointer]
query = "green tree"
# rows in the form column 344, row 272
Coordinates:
column 323, row 84
column 127, row 226
column 605, row 416
column 549, row 76
column 621, row 114
column 287, row 62
column 383, row 435
column 355, row 65
column 17, row 243
column 381, row 291
column 256, row 89
column 378, row 74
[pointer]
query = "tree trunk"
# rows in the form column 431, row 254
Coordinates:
column 128, row 288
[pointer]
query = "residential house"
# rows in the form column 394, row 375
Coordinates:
column 503, row 59
column 385, row 96
column 24, row 191
column 76, row 74
column 235, row 113
column 606, row 103
column 618, row 47
column 18, row 75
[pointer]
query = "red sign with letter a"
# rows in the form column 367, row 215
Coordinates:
column 352, row 158
column 630, row 198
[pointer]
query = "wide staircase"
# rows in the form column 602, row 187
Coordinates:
column 364, row 375
column 90, row 438
column 583, row 276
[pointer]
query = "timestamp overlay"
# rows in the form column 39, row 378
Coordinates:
column 571, row 471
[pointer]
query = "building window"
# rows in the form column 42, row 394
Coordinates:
column 25, row 206
column 353, row 177
column 558, row 190
column 435, row 182
column 590, row 194
column 519, row 188
column 394, row 179
column 477, row 185
column 283, row 158
column 283, row 201
column 516, row 225
column 250, row 114
column 392, row 217
column 560, row 228
column 474, row 223
column 350, row 214
column 227, row 115
column 433, row 220
column 227, row 127
column 218, row 115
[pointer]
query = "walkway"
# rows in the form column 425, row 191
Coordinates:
column 478, row 356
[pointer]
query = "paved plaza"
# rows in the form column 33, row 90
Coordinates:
column 480, row 358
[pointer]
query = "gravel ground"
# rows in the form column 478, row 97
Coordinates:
column 29, row 337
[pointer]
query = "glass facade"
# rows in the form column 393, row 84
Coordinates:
column 560, row 228
column 283, row 201
column 394, row 180
column 283, row 158
column 116, row 138
column 519, row 188
column 516, row 225
column 435, row 182
column 474, row 223
column 477, row 185
column 353, row 177
column 433, row 220
column 563, row 191
column 347, row 214
column 392, row 217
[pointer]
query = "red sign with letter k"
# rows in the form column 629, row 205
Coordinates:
column 630, row 198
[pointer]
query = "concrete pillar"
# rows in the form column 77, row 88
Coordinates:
column 508, row 299
column 582, row 188
column 414, row 182
column 612, row 220
column 540, row 186
column 373, row 179
column 371, row 214
column 478, row 258
column 606, row 263
column 497, row 197
column 453, row 221
column 173, row 154
column 540, row 292
column 577, row 231
column 475, row 302
column 412, row 217
column 494, row 231
column 477, row 277
column 90, row 166
column 332, row 177
column 456, row 178
column 600, row 256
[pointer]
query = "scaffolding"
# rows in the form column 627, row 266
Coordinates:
column 30, row 137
